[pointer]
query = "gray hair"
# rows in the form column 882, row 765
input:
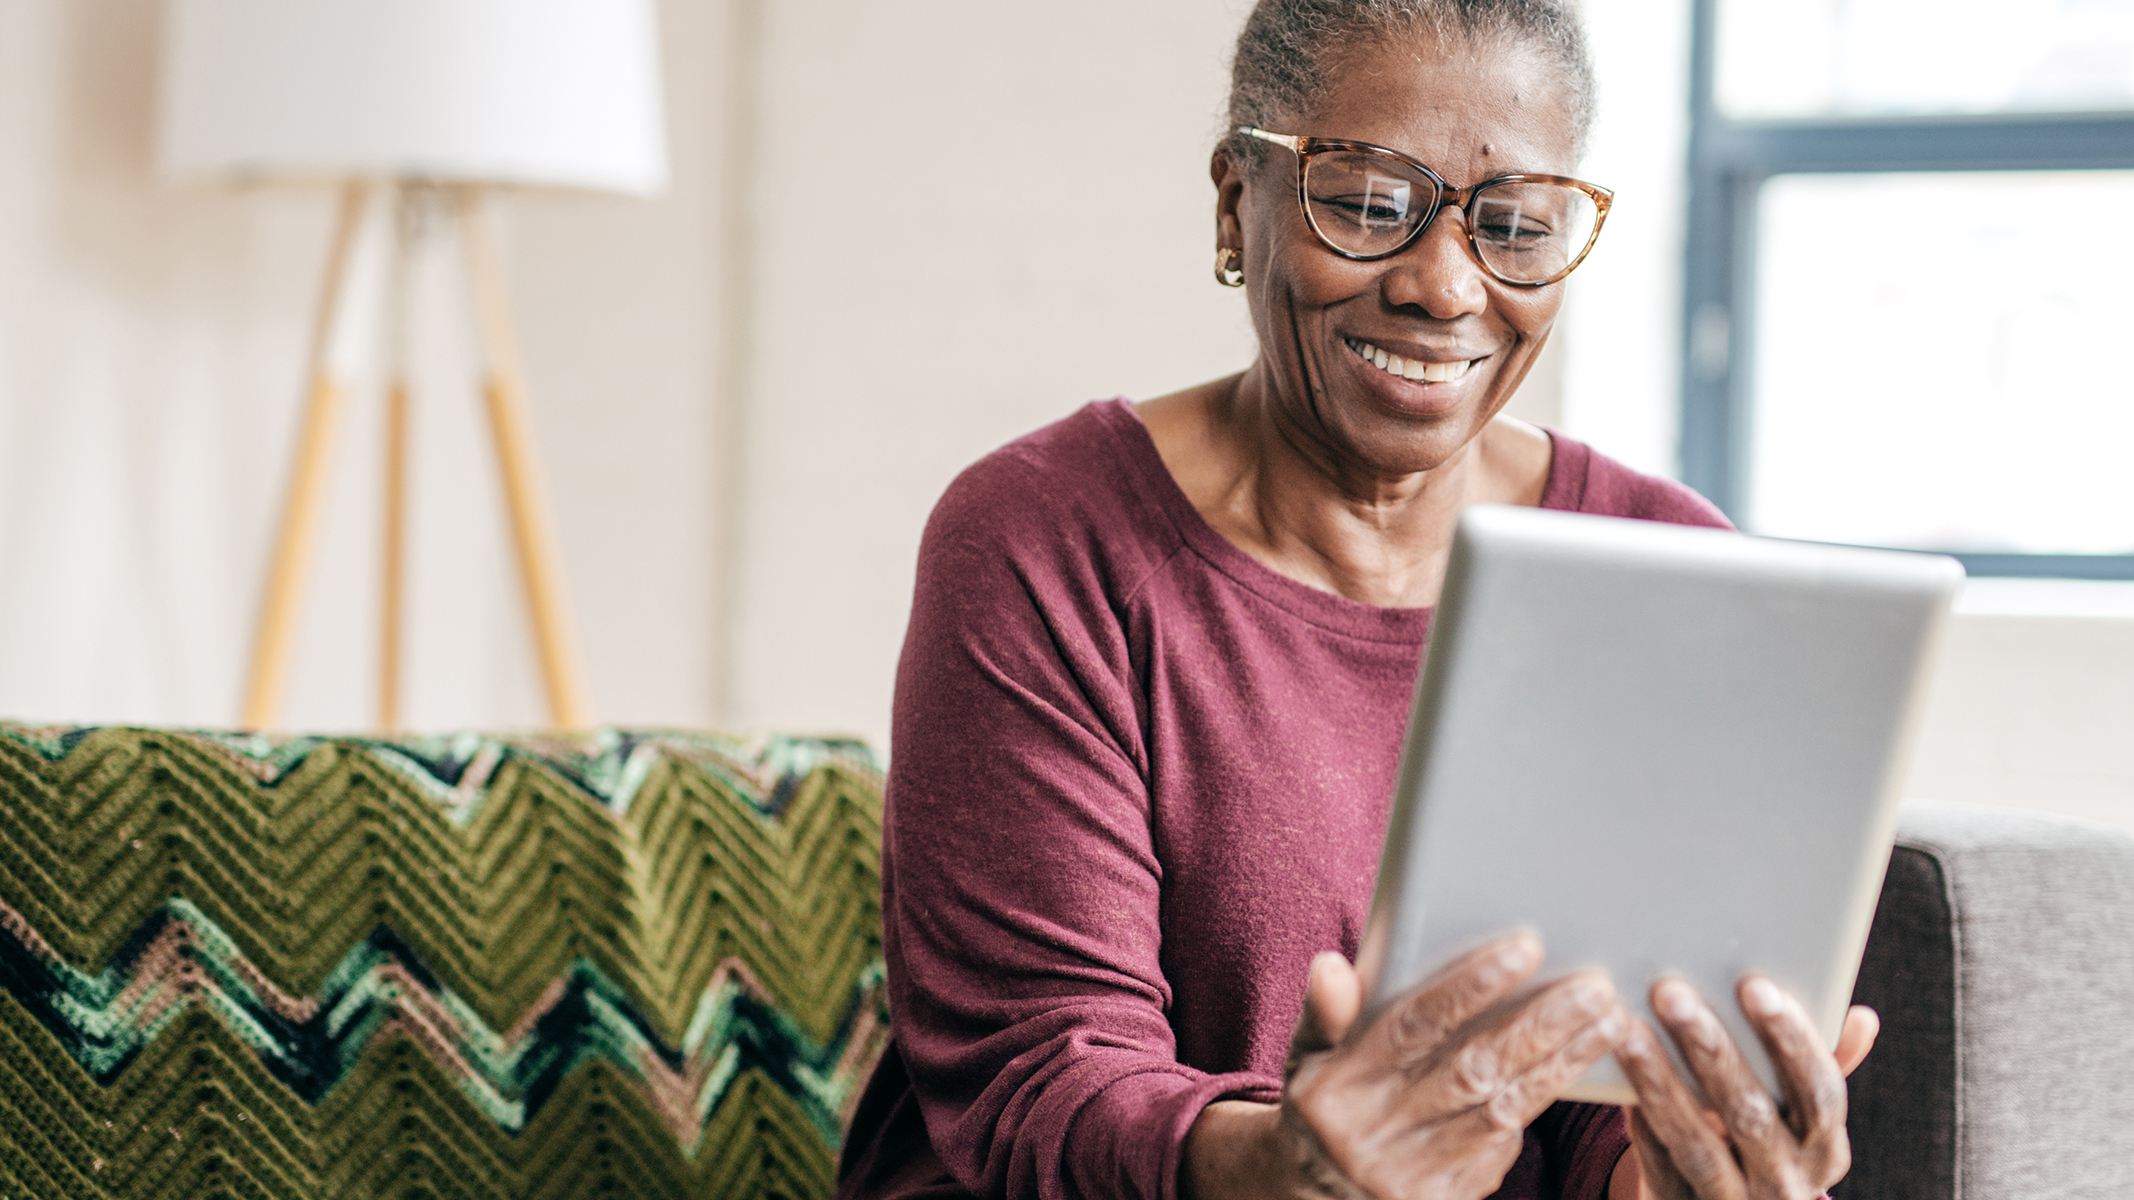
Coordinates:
column 1289, row 50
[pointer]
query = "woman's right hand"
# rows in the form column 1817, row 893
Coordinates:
column 1427, row 1102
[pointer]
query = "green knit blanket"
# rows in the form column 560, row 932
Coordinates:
column 628, row 964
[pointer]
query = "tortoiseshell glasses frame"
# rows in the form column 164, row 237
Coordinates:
column 1526, row 243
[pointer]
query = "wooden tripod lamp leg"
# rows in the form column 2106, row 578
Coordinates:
column 410, row 225
column 525, row 493
column 394, row 576
column 297, row 535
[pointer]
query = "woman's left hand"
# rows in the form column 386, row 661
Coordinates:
column 1744, row 1146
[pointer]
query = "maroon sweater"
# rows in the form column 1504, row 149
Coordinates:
column 1137, row 779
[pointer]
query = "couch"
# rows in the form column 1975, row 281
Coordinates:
column 2002, row 962
column 648, row 964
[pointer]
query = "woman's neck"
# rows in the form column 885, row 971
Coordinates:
column 1276, row 490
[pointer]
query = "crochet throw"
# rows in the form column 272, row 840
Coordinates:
column 625, row 964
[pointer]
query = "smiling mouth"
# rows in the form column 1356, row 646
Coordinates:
column 1414, row 370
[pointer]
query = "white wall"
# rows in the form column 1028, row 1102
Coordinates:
column 140, row 334
column 2033, row 702
column 1620, row 325
column 957, row 240
column 151, row 345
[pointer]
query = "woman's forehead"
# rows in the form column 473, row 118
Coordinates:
column 1450, row 102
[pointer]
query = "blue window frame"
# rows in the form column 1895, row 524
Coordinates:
column 1731, row 159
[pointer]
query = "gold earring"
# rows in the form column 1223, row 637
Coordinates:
column 1228, row 272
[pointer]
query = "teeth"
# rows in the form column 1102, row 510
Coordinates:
column 1412, row 369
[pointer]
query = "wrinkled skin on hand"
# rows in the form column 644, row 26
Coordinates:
column 1743, row 1145
column 1431, row 1101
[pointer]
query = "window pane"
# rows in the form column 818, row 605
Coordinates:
column 1940, row 361
column 1802, row 58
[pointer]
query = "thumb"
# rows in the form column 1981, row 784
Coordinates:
column 1332, row 1000
column 1858, row 1037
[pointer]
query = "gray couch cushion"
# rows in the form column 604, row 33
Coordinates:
column 2002, row 961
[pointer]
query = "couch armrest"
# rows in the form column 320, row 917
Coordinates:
column 2002, row 962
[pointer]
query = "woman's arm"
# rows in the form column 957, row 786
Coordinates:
column 1022, row 888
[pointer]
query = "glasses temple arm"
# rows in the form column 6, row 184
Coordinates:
column 1279, row 139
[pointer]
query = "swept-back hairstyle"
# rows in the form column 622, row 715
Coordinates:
column 1290, row 48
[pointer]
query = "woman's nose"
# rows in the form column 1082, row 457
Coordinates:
column 1437, row 273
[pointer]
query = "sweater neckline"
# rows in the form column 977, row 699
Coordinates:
column 1329, row 610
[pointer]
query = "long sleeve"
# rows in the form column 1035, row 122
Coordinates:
column 1580, row 1146
column 1022, row 888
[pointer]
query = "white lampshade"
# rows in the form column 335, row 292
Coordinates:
column 543, row 92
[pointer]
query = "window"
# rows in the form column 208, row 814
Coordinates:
column 1910, row 277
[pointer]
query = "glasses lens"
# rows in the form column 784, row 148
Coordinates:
column 1366, row 203
column 1531, row 232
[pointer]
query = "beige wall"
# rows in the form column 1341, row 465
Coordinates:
column 956, row 241
column 151, row 344
column 2033, row 702
column 887, row 250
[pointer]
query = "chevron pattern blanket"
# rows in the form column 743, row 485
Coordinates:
column 628, row 964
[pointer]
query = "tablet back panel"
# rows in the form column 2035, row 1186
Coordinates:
column 1665, row 749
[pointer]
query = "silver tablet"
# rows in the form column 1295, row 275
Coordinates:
column 1665, row 749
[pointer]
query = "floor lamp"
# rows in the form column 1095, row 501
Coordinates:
column 433, row 102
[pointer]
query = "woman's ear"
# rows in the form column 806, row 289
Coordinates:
column 1229, row 177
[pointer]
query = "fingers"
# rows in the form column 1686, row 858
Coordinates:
column 1332, row 997
column 1814, row 1085
column 1557, row 1039
column 1808, row 1073
column 1862, row 1024
column 1416, row 1027
column 1804, row 1146
column 1748, row 1140
column 1655, row 1169
column 1694, row 1149
column 1348, row 1100
column 1505, row 1065
column 1363, row 1084
column 1753, row 1121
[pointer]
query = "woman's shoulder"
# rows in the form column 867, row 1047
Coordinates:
column 1080, row 486
column 1060, row 456
column 1582, row 479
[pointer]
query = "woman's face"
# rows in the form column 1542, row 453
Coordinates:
column 1469, row 111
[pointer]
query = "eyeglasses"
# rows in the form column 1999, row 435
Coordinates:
column 1367, row 202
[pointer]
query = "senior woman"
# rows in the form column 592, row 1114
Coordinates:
column 1151, row 701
